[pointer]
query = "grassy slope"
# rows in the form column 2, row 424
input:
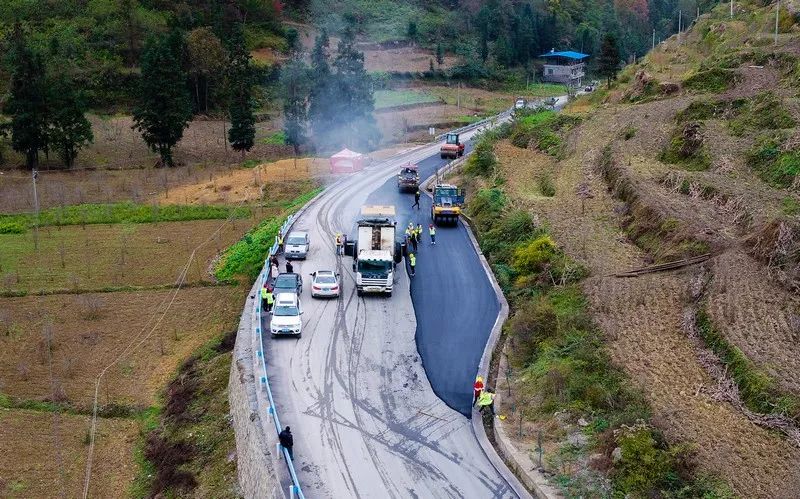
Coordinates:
column 633, row 316
column 556, row 356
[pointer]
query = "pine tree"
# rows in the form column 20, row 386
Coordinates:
column 240, row 75
column 503, row 51
column 412, row 30
column 354, row 102
column 320, row 105
column 27, row 101
column 164, row 107
column 483, row 47
column 608, row 62
column 439, row 54
column 69, row 131
column 295, row 84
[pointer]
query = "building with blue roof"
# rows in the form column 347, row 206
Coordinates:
column 566, row 67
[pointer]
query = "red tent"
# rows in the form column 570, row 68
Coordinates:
column 347, row 161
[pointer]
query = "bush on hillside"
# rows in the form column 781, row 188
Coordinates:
column 713, row 80
column 486, row 206
column 777, row 165
column 686, row 147
column 533, row 256
column 763, row 112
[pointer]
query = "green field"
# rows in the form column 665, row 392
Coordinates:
column 118, row 213
column 393, row 98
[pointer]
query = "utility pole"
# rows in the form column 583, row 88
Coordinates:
column 654, row 40
column 680, row 19
column 458, row 95
column 777, row 16
column 731, row 9
column 34, row 176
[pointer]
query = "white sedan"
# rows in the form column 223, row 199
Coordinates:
column 324, row 283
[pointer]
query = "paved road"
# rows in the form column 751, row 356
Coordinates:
column 365, row 417
column 454, row 303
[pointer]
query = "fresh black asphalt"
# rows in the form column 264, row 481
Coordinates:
column 454, row 303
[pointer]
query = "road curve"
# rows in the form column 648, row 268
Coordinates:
column 366, row 420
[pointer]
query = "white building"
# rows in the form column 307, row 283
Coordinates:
column 566, row 67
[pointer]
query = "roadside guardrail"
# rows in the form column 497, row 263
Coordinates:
column 295, row 489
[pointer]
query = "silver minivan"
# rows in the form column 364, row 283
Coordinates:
column 296, row 245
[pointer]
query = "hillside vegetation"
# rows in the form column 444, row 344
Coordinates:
column 690, row 153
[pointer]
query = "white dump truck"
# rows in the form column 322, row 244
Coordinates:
column 375, row 250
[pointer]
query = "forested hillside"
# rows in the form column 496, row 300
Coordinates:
column 98, row 43
column 508, row 33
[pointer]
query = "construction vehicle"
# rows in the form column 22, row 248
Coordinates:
column 375, row 250
column 408, row 178
column 448, row 200
column 452, row 147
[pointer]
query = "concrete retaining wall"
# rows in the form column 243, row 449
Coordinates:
column 255, row 451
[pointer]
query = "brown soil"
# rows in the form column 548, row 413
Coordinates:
column 44, row 455
column 405, row 59
column 90, row 331
column 99, row 256
column 757, row 315
column 399, row 57
column 245, row 184
column 412, row 124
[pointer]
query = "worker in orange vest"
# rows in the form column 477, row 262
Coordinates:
column 477, row 388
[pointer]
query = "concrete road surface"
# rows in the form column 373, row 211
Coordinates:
column 365, row 419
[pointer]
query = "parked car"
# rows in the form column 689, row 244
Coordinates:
column 288, row 282
column 324, row 283
column 296, row 245
column 286, row 313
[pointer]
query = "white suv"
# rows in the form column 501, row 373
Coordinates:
column 286, row 312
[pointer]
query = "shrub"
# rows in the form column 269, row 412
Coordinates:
column 246, row 256
column 12, row 227
column 646, row 464
column 700, row 110
column 533, row 256
column 546, row 186
column 498, row 242
column 686, row 147
column 629, row 132
column 482, row 161
column 774, row 165
column 541, row 128
column 758, row 390
column 486, row 206
column 713, row 80
column 534, row 323
column 764, row 112
column 790, row 206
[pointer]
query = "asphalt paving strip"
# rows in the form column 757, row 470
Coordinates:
column 454, row 303
column 365, row 418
